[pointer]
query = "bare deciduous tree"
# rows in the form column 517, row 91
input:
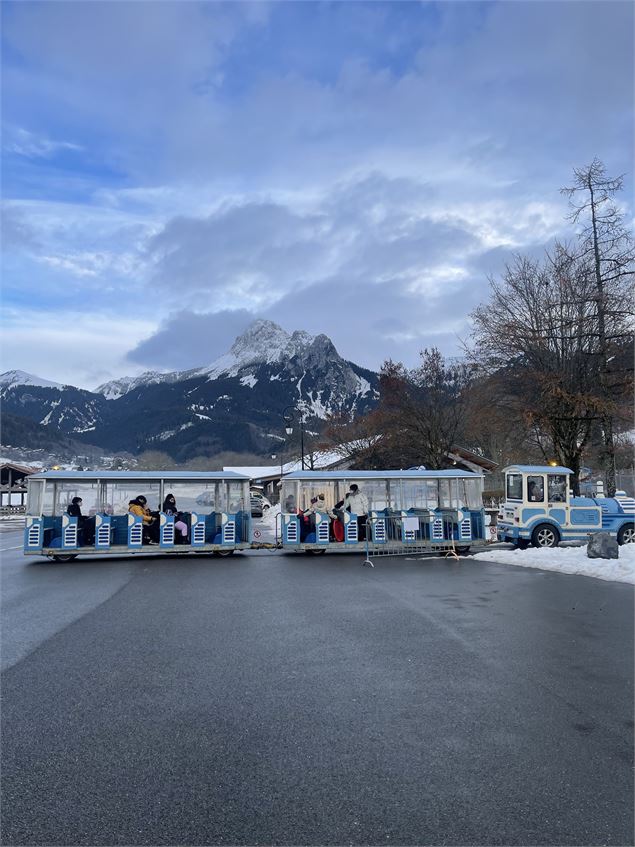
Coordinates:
column 422, row 411
column 360, row 442
column 604, row 246
column 540, row 331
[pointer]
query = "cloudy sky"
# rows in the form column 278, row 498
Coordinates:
column 173, row 171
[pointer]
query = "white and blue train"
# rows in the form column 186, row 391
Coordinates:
column 539, row 509
column 213, row 513
column 391, row 510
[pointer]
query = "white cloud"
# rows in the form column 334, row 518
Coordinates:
column 24, row 143
column 78, row 348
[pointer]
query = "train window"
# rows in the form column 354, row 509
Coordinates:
column 514, row 487
column 376, row 492
column 432, row 493
column 49, row 498
column 557, row 487
column 235, row 497
column 470, row 493
column 35, row 499
column 414, row 494
column 446, row 498
column 66, row 490
column 535, row 489
column 195, row 496
column 119, row 493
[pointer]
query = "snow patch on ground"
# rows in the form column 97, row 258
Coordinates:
column 572, row 560
column 265, row 529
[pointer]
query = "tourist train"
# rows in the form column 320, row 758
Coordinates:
column 402, row 510
column 378, row 512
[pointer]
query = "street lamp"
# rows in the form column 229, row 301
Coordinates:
column 288, row 416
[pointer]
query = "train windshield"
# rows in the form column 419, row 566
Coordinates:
column 514, row 486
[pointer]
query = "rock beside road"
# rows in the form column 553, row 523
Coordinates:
column 602, row 546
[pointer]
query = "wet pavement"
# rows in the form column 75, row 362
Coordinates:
column 278, row 699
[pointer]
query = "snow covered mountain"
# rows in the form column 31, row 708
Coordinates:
column 235, row 403
column 118, row 387
column 9, row 379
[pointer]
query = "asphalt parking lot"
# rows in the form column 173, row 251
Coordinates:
column 276, row 699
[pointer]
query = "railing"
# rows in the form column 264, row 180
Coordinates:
column 12, row 510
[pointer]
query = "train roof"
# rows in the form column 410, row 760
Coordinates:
column 181, row 476
column 538, row 469
column 410, row 474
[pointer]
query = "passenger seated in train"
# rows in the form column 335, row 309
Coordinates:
column 307, row 519
column 139, row 506
column 169, row 508
column 85, row 525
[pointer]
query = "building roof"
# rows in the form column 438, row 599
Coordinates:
column 472, row 459
column 19, row 468
column 17, row 473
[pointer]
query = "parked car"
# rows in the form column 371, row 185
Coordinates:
column 259, row 503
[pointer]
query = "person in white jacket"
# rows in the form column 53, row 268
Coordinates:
column 357, row 503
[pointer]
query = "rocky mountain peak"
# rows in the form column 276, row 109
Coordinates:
column 262, row 341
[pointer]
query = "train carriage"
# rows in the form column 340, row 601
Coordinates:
column 213, row 513
column 401, row 511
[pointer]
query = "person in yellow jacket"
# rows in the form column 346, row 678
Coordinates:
column 139, row 506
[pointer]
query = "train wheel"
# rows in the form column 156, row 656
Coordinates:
column 317, row 551
column 626, row 535
column 224, row 553
column 463, row 551
column 66, row 558
column 545, row 535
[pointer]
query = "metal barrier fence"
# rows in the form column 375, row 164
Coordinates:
column 449, row 532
